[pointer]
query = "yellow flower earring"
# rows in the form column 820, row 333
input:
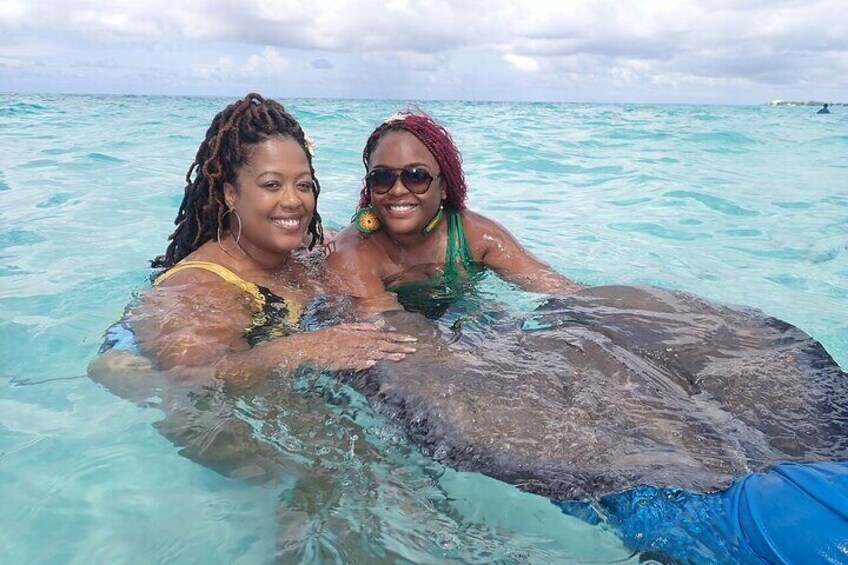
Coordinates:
column 435, row 221
column 366, row 221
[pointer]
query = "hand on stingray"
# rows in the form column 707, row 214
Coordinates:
column 355, row 346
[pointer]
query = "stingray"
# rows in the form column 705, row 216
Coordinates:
column 615, row 395
column 615, row 387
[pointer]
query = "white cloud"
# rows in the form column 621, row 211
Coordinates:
column 222, row 67
column 522, row 62
column 408, row 60
column 431, row 26
column 267, row 62
column 717, row 42
column 15, row 63
column 12, row 12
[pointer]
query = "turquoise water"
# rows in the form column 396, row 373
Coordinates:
column 745, row 205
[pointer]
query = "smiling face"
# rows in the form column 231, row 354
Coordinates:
column 273, row 195
column 401, row 211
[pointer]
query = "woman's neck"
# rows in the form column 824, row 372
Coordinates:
column 414, row 248
column 254, row 259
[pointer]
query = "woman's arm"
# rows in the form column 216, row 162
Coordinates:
column 355, row 346
column 195, row 331
column 494, row 246
column 355, row 268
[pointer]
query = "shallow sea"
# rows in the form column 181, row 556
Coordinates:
column 742, row 204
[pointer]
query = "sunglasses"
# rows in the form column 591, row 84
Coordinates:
column 415, row 179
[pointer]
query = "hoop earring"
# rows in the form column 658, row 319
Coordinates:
column 316, row 230
column 434, row 223
column 238, row 236
column 366, row 221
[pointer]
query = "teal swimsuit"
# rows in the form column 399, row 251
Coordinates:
column 432, row 297
column 457, row 253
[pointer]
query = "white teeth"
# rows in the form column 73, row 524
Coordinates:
column 403, row 208
column 286, row 223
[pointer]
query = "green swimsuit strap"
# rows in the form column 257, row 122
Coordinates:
column 457, row 251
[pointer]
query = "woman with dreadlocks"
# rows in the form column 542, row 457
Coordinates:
column 413, row 228
column 235, row 286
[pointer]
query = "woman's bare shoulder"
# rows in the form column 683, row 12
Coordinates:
column 180, row 275
column 483, row 233
column 355, row 264
column 349, row 243
column 188, row 277
column 478, row 222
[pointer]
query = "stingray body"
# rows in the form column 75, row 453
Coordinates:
column 618, row 386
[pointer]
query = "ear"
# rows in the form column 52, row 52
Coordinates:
column 230, row 194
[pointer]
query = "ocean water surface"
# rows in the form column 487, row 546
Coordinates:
column 745, row 205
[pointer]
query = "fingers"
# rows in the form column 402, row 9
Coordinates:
column 399, row 337
column 394, row 356
column 360, row 346
column 376, row 357
column 366, row 355
column 362, row 365
column 362, row 326
column 377, row 327
column 390, row 352
column 393, row 347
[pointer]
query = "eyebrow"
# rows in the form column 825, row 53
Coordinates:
column 415, row 164
column 304, row 173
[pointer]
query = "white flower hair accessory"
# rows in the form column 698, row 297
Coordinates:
column 396, row 117
column 310, row 145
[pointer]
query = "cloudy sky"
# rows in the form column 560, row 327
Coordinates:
column 696, row 51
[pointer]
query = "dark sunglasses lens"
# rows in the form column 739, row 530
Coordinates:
column 416, row 180
column 380, row 180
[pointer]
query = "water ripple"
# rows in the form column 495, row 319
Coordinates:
column 103, row 158
column 713, row 202
column 657, row 230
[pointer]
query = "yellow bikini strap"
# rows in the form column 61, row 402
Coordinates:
column 222, row 272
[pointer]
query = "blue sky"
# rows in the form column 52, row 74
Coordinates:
column 722, row 51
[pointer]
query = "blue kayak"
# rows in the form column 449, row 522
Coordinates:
column 793, row 513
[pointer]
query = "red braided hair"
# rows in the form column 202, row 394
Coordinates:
column 437, row 140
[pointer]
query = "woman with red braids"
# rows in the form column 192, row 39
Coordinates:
column 412, row 225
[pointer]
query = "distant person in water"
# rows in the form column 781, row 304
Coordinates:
column 412, row 226
column 823, row 110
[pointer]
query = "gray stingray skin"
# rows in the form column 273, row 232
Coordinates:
column 619, row 386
